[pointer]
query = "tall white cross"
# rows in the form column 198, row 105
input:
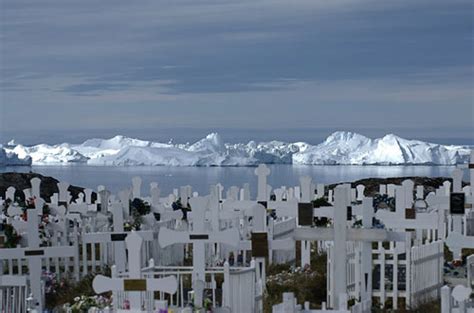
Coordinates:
column 340, row 234
column 134, row 284
column 34, row 253
column 199, row 237
column 116, row 237
column 262, row 172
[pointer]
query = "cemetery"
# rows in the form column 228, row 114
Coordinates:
column 305, row 248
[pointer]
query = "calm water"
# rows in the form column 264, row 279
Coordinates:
column 118, row 178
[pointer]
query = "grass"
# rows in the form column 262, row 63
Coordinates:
column 308, row 284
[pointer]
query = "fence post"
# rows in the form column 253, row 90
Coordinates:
column 445, row 299
column 342, row 301
column 226, row 300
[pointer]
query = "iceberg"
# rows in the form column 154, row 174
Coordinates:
column 9, row 158
column 340, row 148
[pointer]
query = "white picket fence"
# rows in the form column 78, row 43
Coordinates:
column 415, row 274
column 289, row 305
column 13, row 293
column 237, row 284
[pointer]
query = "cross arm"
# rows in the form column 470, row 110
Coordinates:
column 102, row 284
column 422, row 221
column 359, row 234
column 168, row 237
column 50, row 252
column 114, row 236
column 278, row 244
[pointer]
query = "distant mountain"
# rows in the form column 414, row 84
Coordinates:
column 339, row 148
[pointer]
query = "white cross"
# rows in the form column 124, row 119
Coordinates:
column 10, row 193
column 35, row 187
column 137, row 185
column 63, row 192
column 259, row 228
column 158, row 207
column 262, row 172
column 104, row 200
column 456, row 242
column 134, row 284
column 199, row 237
column 340, row 234
column 34, row 253
column 116, row 237
column 399, row 220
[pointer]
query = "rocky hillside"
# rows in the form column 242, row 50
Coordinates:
column 372, row 184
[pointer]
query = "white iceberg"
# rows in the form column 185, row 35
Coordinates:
column 339, row 148
column 9, row 158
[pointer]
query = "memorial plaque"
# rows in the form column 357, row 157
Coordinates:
column 34, row 252
column 349, row 213
column 457, row 203
column 260, row 245
column 264, row 203
column 118, row 237
column 134, row 285
column 410, row 214
column 305, row 214
column 198, row 236
column 471, row 166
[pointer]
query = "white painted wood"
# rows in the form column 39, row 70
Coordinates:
column 34, row 253
column 35, row 187
column 262, row 172
column 102, row 283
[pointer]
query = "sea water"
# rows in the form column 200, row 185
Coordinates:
column 200, row 178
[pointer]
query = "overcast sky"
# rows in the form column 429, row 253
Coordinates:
column 144, row 68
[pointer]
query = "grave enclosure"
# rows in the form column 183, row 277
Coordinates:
column 154, row 251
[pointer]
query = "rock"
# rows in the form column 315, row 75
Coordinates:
column 22, row 181
column 372, row 184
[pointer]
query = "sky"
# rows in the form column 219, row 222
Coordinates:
column 289, row 70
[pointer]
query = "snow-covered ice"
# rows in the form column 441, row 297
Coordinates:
column 338, row 148
column 8, row 158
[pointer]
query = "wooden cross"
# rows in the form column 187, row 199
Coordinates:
column 34, row 253
column 456, row 242
column 199, row 237
column 64, row 194
column 136, row 187
column 260, row 244
column 407, row 218
column 10, row 193
column 158, row 207
column 116, row 237
column 282, row 208
column 134, row 283
column 262, row 172
column 340, row 234
column 454, row 202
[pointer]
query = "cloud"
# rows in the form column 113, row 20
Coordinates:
column 345, row 62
